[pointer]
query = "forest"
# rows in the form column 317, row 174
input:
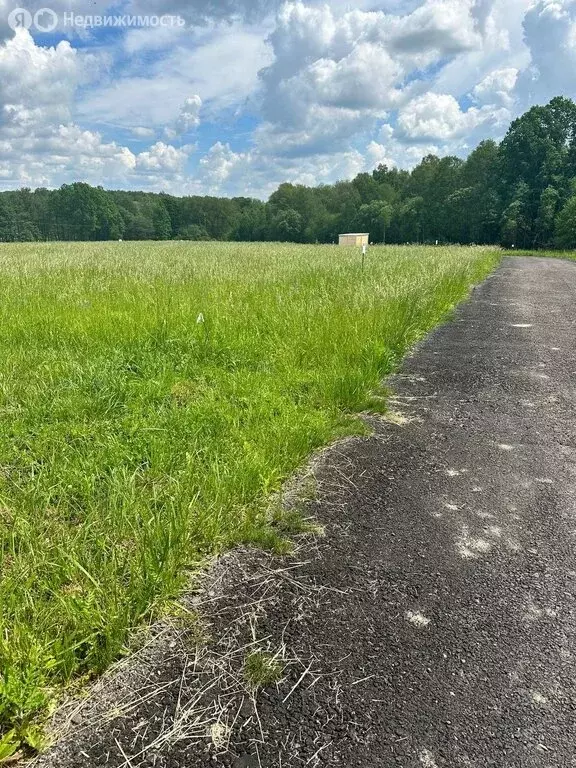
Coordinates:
column 521, row 193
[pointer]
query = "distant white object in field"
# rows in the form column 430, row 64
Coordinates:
column 354, row 238
column 200, row 319
column 120, row 240
column 364, row 249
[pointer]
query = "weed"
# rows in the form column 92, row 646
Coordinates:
column 262, row 669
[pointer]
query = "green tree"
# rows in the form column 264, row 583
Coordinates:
column 82, row 212
column 162, row 222
column 546, row 219
column 375, row 218
column 287, row 226
column 7, row 221
column 193, row 232
column 565, row 234
column 536, row 152
column 516, row 223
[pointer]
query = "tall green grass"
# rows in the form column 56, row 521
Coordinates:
column 152, row 397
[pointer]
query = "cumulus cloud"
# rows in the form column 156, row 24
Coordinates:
column 439, row 117
column 221, row 165
column 440, row 27
column 377, row 154
column 550, row 34
column 339, row 90
column 497, row 87
column 41, row 143
column 161, row 158
column 334, row 75
column 188, row 120
column 326, row 130
column 37, row 84
column 223, row 171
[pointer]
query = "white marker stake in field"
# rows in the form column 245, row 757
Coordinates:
column 364, row 252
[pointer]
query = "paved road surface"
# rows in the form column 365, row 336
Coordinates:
column 448, row 635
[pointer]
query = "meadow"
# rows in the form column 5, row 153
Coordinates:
column 153, row 398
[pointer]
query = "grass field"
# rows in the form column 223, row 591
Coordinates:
column 152, row 398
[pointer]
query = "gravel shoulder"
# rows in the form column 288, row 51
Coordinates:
column 434, row 623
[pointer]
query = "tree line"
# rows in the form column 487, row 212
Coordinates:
column 521, row 192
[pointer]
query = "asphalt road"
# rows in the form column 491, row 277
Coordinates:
column 437, row 617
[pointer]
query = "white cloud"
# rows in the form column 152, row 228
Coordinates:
column 439, row 117
column 502, row 48
column 377, row 154
column 440, row 27
column 340, row 90
column 41, row 143
column 220, row 69
column 223, row 171
column 37, row 85
column 497, row 87
column 334, row 76
column 550, row 34
column 326, row 130
column 189, row 118
column 143, row 133
column 220, row 164
column 161, row 158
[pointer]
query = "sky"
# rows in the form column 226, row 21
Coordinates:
column 233, row 97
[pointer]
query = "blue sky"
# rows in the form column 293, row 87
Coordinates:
column 233, row 98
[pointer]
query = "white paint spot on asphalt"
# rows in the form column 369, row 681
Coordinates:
column 469, row 547
column 505, row 447
column 538, row 698
column 477, row 489
column 417, row 618
column 522, row 325
column 485, row 515
column 452, row 473
column 534, row 613
column 544, row 480
column 451, row 507
column 555, row 349
column 427, row 759
column 494, row 530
